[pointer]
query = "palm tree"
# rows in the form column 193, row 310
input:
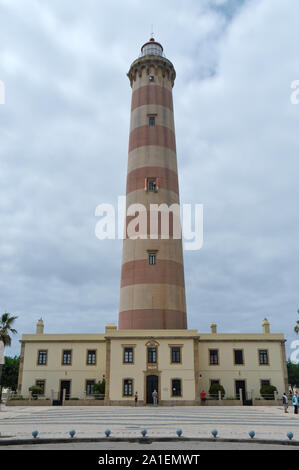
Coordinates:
column 6, row 322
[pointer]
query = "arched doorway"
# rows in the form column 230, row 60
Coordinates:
column 152, row 383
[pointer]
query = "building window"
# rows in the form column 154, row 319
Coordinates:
column 128, row 388
column 152, row 258
column 67, row 357
column 214, row 381
column 151, row 78
column 176, row 388
column 42, row 358
column 263, row 357
column 91, row 357
column 42, row 385
column 176, row 355
column 238, row 355
column 152, row 121
column 89, row 387
column 152, row 355
column 264, row 383
column 214, row 360
column 128, row 355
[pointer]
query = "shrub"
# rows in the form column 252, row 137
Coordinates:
column 17, row 398
column 35, row 390
column 99, row 388
column 267, row 392
column 215, row 388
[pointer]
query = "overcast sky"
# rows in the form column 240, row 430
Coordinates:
column 64, row 133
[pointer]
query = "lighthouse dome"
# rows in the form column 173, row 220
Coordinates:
column 152, row 48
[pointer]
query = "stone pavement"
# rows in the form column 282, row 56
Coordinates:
column 231, row 422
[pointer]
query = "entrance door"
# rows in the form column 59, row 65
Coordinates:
column 65, row 385
column 152, row 383
column 241, row 385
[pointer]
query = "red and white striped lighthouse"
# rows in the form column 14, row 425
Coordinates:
column 152, row 279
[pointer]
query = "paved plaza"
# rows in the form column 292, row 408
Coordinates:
column 231, row 422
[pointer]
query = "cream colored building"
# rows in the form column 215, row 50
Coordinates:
column 179, row 364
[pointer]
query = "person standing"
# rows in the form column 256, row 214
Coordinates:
column 285, row 402
column 295, row 402
column 203, row 397
column 136, row 398
column 155, row 397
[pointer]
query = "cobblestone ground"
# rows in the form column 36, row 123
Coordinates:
column 236, row 422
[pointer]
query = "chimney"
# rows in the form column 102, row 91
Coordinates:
column 266, row 326
column 110, row 328
column 40, row 327
column 213, row 328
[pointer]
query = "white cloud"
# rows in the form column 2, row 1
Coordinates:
column 64, row 138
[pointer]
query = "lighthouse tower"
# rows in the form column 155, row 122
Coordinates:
column 152, row 292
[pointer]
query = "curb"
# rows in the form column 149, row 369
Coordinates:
column 141, row 440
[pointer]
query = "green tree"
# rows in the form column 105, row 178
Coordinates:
column 6, row 323
column 35, row 390
column 10, row 372
column 296, row 328
column 215, row 388
column 267, row 392
column 99, row 388
column 293, row 373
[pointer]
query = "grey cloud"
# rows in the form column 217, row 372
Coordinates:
column 64, row 140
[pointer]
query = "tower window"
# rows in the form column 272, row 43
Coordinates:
column 152, row 121
column 152, row 258
column 151, row 78
column 152, row 185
